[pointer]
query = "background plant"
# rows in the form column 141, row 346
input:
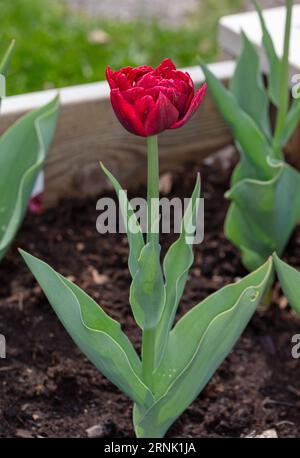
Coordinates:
column 177, row 360
column 265, row 189
column 23, row 150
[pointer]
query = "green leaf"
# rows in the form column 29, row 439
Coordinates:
column 248, row 88
column 147, row 292
column 134, row 233
column 23, row 150
column 264, row 214
column 292, row 121
column 6, row 59
column 290, row 282
column 177, row 263
column 198, row 344
column 254, row 146
column 273, row 59
column 98, row 336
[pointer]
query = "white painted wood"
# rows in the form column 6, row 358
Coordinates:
column 230, row 28
column 94, row 92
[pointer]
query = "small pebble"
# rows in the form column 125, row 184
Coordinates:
column 102, row 430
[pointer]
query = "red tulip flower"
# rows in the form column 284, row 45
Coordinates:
column 149, row 100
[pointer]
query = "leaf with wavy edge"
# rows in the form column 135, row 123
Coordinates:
column 98, row 336
column 23, row 150
column 263, row 214
column 206, row 335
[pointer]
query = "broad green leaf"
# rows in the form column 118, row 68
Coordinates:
column 177, row 263
column 264, row 214
column 254, row 146
column 135, row 236
column 248, row 88
column 198, row 344
column 147, row 292
column 273, row 59
column 4, row 63
column 292, row 121
column 98, row 336
column 23, row 150
column 290, row 282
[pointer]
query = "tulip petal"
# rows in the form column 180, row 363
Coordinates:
column 148, row 80
column 166, row 64
column 122, row 81
column 132, row 94
column 161, row 117
column 137, row 73
column 184, row 96
column 126, row 114
column 143, row 106
column 195, row 103
column 168, row 92
column 110, row 78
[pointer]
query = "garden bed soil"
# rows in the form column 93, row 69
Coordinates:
column 49, row 389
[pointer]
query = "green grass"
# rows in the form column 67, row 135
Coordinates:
column 53, row 47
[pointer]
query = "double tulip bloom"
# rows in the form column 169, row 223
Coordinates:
column 149, row 100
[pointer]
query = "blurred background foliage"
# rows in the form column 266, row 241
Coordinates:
column 57, row 47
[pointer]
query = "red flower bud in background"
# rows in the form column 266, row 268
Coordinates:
column 36, row 204
column 149, row 100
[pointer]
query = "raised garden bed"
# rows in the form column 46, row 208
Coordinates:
column 49, row 389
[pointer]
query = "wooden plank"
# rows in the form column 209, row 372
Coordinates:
column 88, row 132
column 230, row 28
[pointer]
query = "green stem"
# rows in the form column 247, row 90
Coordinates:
column 148, row 344
column 153, row 189
column 284, row 83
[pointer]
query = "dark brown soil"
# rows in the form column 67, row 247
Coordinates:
column 47, row 387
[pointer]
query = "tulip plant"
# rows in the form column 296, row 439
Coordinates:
column 265, row 189
column 178, row 360
column 23, row 150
